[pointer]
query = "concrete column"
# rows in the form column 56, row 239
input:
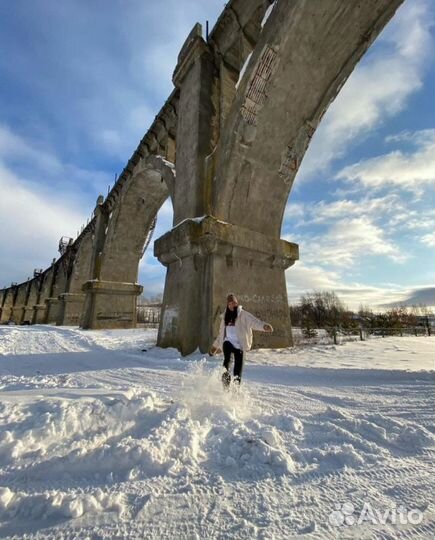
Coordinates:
column 71, row 308
column 198, row 123
column 108, row 304
column 20, row 303
column 58, row 288
column 8, row 304
column 205, row 260
column 45, row 292
column 113, row 303
column 32, row 298
column 73, row 300
column 2, row 298
column 90, row 303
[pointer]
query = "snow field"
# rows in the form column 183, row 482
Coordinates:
column 114, row 442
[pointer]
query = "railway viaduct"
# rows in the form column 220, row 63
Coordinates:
column 226, row 147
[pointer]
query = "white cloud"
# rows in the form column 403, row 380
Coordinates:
column 351, row 239
column 377, row 89
column 411, row 171
column 428, row 239
column 345, row 242
column 41, row 200
column 294, row 212
column 303, row 278
column 35, row 223
column 390, row 210
column 330, row 212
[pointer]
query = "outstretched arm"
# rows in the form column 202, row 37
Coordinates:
column 258, row 324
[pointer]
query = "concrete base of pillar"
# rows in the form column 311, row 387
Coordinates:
column 206, row 259
column 39, row 314
column 5, row 314
column 18, row 314
column 28, row 314
column 71, row 310
column 110, row 304
column 53, row 310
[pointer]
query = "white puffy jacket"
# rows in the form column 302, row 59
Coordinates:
column 245, row 323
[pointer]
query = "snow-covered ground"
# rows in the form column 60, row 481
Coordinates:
column 102, row 439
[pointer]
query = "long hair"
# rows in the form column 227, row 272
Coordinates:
column 230, row 316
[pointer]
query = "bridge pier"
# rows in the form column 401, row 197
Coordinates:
column 206, row 259
column 111, row 304
column 71, row 308
column 20, row 302
column 72, row 300
column 39, row 314
column 52, row 310
column 8, row 303
column 32, row 298
column 17, row 315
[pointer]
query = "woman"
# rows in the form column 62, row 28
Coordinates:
column 235, row 337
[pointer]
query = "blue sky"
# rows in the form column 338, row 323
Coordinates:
column 80, row 83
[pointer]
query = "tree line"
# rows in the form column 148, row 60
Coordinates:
column 324, row 309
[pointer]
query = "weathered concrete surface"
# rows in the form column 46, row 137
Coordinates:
column 125, row 221
column 131, row 220
column 32, row 299
column 73, row 299
column 112, row 292
column 8, row 302
column 58, row 287
column 299, row 62
column 2, row 297
column 196, row 130
column 232, row 40
column 45, row 292
column 17, row 315
column 198, row 250
column 114, row 304
column 304, row 55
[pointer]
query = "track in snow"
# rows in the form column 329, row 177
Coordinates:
column 125, row 444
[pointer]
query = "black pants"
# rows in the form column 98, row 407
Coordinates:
column 238, row 360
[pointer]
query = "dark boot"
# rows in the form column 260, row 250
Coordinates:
column 226, row 380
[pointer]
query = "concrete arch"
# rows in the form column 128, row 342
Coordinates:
column 128, row 226
column 306, row 52
column 111, row 293
column 78, row 268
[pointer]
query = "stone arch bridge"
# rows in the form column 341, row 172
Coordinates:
column 226, row 147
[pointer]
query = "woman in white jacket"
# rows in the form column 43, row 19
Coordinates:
column 235, row 337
